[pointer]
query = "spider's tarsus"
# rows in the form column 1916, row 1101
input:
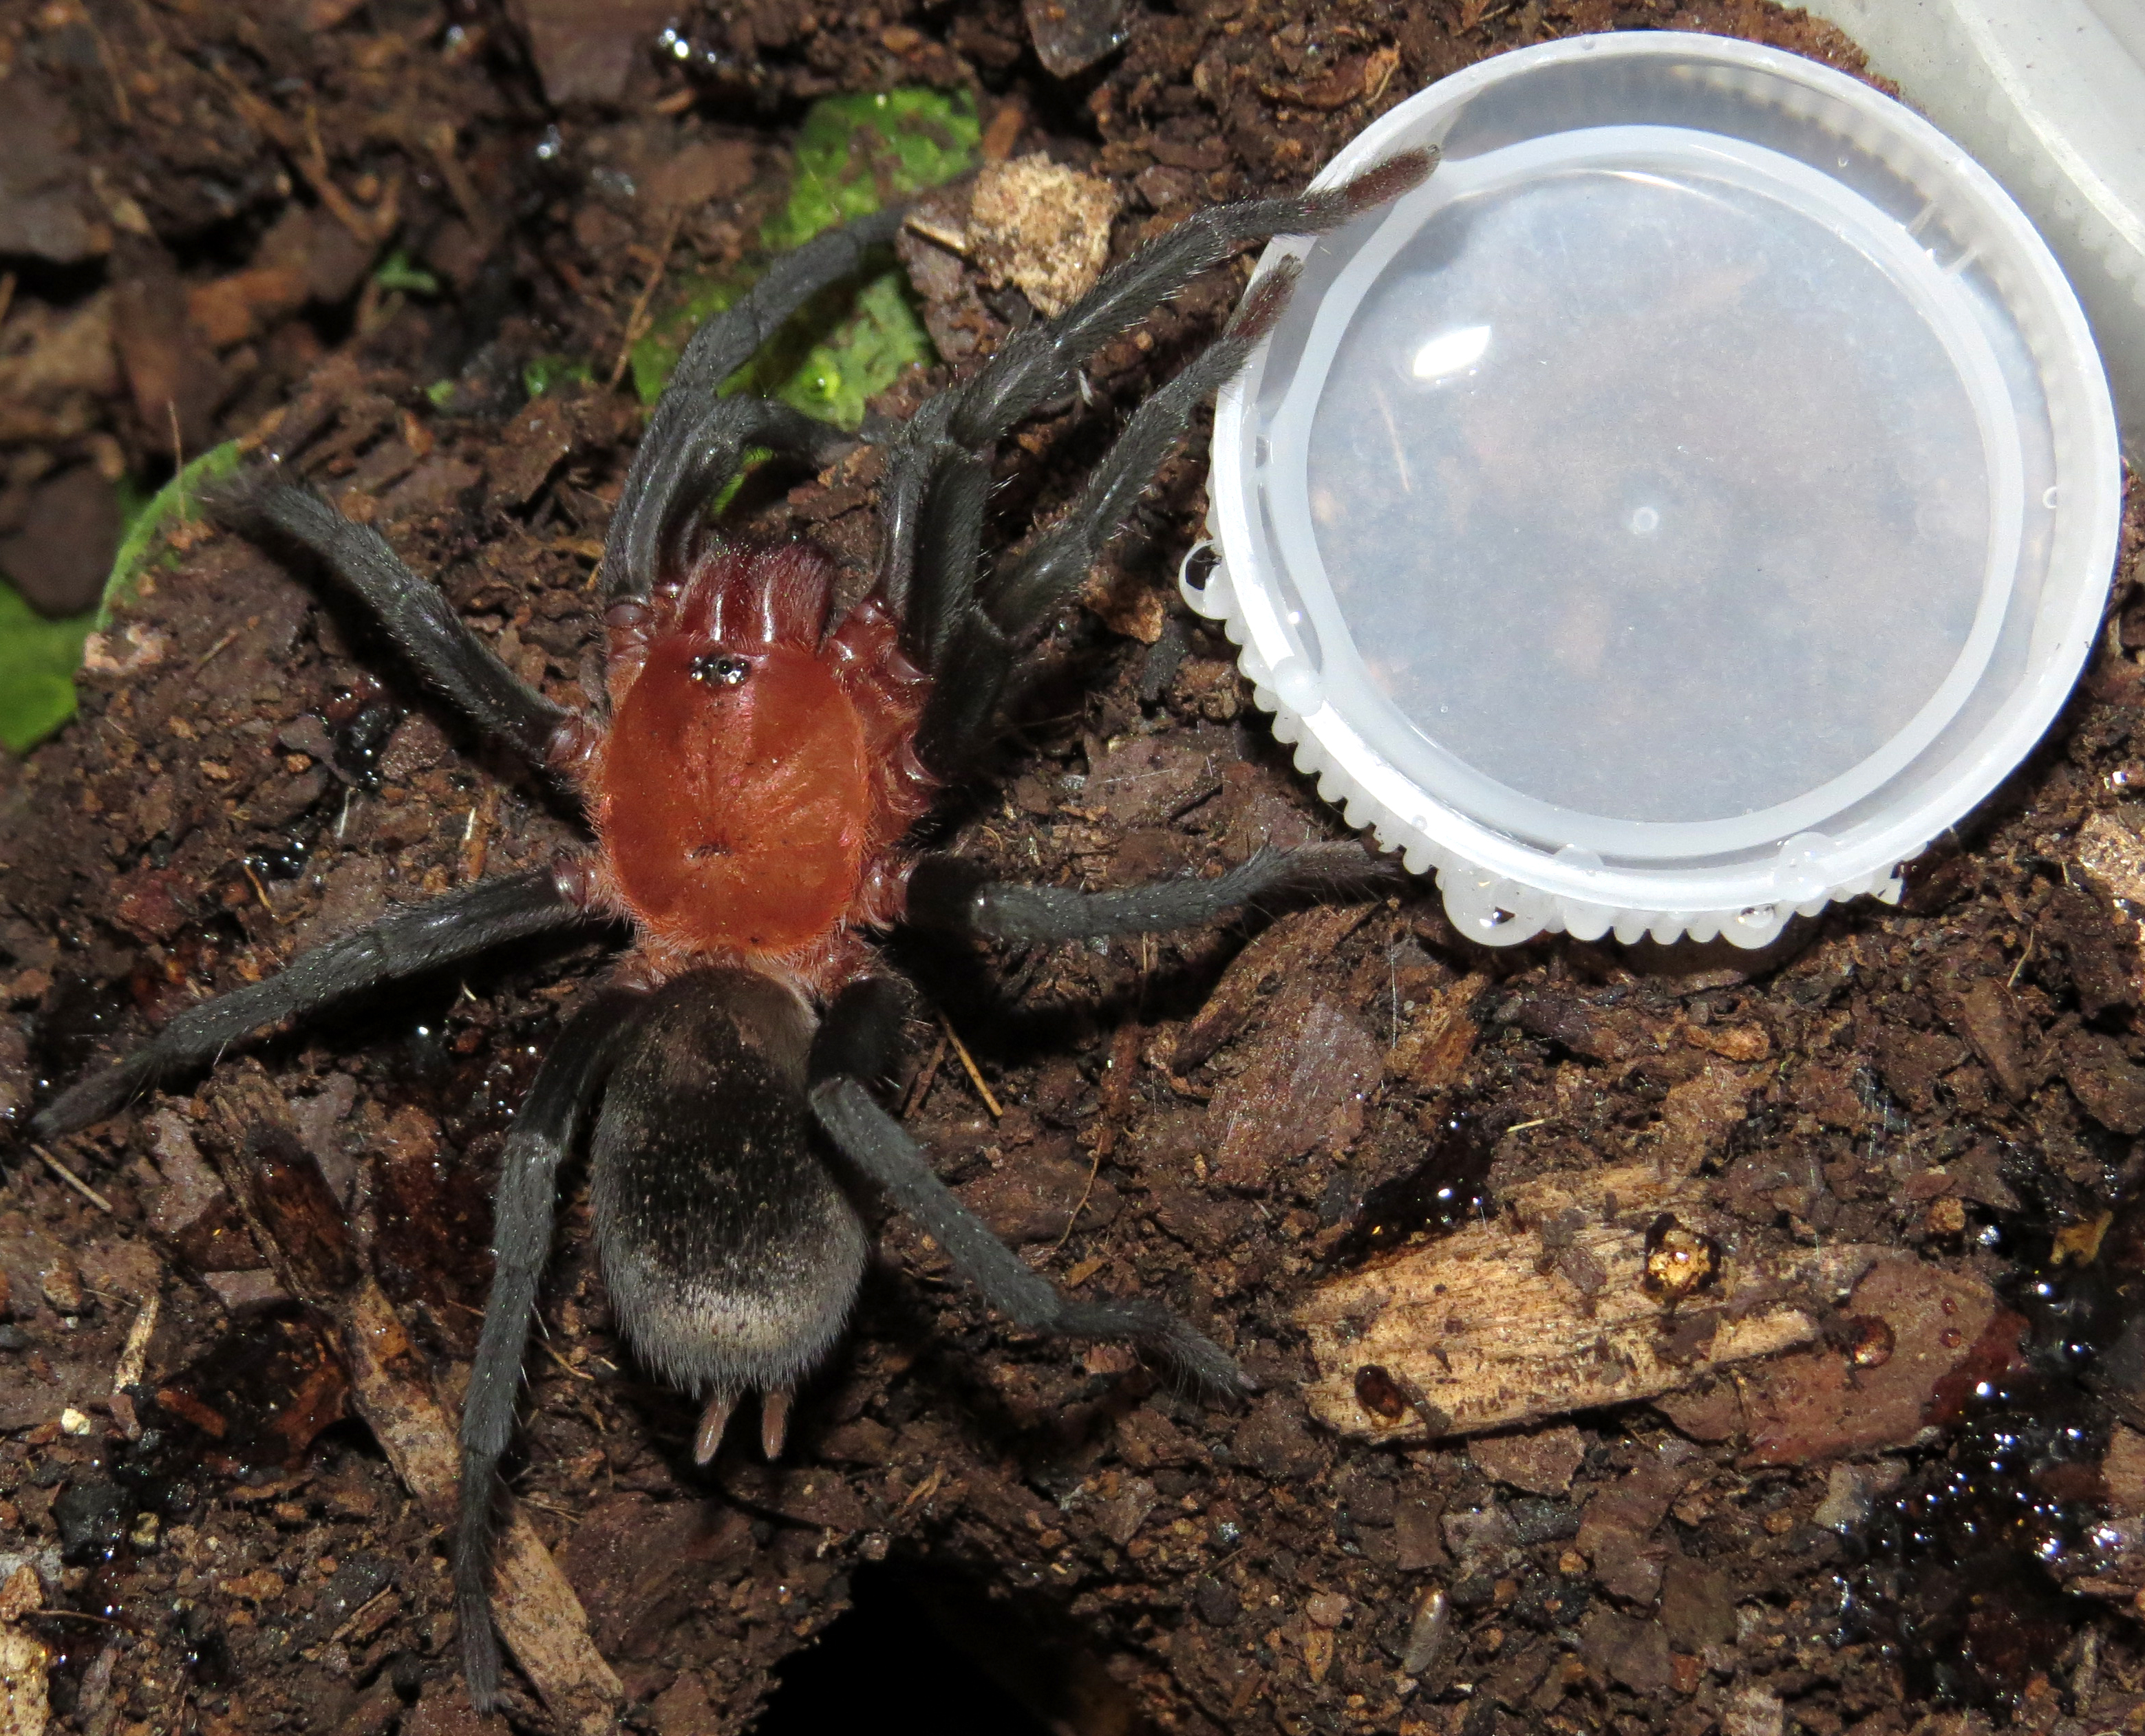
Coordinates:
column 1255, row 316
column 1388, row 180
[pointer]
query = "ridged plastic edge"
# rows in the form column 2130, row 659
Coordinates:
column 1493, row 909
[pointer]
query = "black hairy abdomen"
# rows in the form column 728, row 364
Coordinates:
column 731, row 1254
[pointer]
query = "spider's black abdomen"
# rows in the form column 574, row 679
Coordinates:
column 731, row 1255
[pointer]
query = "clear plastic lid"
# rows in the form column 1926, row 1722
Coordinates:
column 1680, row 509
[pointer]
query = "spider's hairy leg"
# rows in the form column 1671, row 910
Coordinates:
column 947, row 893
column 731, row 1255
column 404, row 943
column 544, row 1132
column 719, row 349
column 1033, row 367
column 982, row 643
column 415, row 614
column 874, row 1141
column 1020, row 603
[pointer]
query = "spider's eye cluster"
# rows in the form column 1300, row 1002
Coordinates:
column 721, row 669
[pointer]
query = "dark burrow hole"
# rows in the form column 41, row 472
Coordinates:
column 968, row 1661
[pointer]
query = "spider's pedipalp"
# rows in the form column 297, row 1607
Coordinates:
column 404, row 943
column 731, row 1256
column 658, row 535
column 717, row 351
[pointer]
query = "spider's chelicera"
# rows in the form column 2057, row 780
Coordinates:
column 767, row 748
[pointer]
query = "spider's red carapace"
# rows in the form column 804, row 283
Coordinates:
column 753, row 785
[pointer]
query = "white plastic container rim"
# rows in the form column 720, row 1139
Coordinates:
column 1510, row 868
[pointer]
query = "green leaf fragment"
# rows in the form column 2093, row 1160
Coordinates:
column 38, row 661
column 174, row 500
column 396, row 272
column 38, row 657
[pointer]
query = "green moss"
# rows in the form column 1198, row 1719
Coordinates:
column 854, row 153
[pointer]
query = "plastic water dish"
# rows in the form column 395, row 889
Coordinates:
column 1681, row 509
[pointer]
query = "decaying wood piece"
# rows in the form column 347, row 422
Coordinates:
column 24, row 1706
column 1596, row 1289
column 287, row 1204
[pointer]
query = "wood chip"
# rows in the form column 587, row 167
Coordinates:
column 1484, row 1329
column 24, row 1708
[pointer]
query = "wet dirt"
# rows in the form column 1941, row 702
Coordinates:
column 366, row 221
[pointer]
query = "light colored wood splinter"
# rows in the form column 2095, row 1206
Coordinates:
column 1554, row 1307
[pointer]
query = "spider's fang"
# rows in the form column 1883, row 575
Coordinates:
column 713, row 1420
column 774, row 1420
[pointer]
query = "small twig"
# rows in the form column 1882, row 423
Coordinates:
column 635, row 326
column 261, row 891
column 476, row 835
column 362, row 1610
column 2021, row 965
column 201, row 662
column 969, row 1060
column 178, row 460
column 924, row 1491
column 73, row 1181
column 924, row 1079
column 1094, row 1169
column 111, row 69
column 1540, row 1121
column 578, row 1374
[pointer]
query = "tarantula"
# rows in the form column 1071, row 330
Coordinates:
column 766, row 750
